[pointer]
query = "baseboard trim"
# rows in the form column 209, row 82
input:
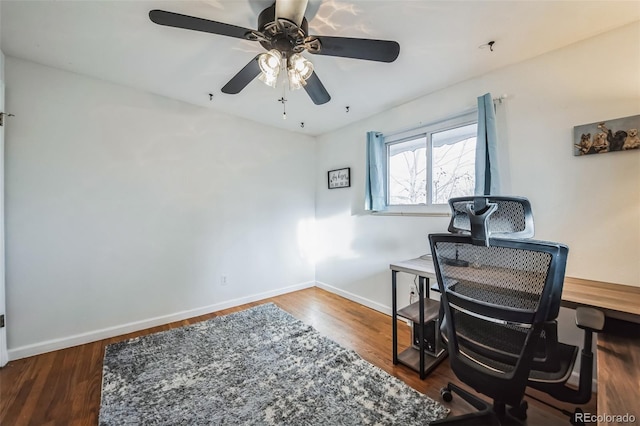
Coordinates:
column 106, row 333
column 355, row 298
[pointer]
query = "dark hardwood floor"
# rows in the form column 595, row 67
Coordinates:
column 63, row 387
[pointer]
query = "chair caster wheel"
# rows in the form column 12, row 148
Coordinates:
column 446, row 394
column 520, row 412
column 574, row 418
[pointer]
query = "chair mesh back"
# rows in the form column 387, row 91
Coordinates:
column 515, row 277
column 504, row 281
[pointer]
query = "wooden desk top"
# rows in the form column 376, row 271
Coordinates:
column 618, row 370
column 616, row 300
column 417, row 266
column 618, row 346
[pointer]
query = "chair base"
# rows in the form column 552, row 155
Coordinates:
column 488, row 414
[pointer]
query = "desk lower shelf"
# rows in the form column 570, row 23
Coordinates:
column 412, row 312
column 411, row 358
column 411, row 355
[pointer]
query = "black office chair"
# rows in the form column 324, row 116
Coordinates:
column 501, row 293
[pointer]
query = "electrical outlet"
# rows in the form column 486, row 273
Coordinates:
column 224, row 280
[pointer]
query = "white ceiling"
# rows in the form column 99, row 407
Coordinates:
column 439, row 46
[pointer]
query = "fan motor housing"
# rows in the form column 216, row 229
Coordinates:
column 285, row 35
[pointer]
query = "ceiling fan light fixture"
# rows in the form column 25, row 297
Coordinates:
column 301, row 65
column 269, row 79
column 270, row 62
column 295, row 80
column 299, row 69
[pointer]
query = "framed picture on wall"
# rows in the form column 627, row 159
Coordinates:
column 339, row 178
column 620, row 134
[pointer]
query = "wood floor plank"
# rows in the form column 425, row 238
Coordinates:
column 63, row 387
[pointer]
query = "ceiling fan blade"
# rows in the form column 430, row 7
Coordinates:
column 292, row 10
column 171, row 19
column 357, row 48
column 316, row 91
column 244, row 77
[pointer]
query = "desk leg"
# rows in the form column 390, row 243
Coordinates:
column 427, row 286
column 394, row 316
column 421, row 292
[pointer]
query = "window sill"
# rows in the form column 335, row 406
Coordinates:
column 435, row 211
column 424, row 214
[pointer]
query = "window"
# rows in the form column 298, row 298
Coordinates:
column 431, row 164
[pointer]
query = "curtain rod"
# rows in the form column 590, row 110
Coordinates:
column 421, row 125
column 469, row 110
column 500, row 98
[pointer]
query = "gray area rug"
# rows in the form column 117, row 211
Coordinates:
column 260, row 366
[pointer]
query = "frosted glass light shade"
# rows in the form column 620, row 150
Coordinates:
column 269, row 63
column 301, row 65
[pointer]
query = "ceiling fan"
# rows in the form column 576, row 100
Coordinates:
column 283, row 32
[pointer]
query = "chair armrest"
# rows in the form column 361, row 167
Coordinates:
column 589, row 318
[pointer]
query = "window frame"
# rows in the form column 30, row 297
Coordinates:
column 423, row 131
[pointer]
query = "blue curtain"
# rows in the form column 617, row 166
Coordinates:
column 487, row 177
column 374, row 185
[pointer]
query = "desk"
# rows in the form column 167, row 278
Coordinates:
column 618, row 347
column 616, row 300
column 426, row 310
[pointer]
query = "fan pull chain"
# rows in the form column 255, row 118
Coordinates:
column 282, row 100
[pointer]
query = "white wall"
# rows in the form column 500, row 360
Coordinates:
column 3, row 331
column 123, row 209
column 590, row 203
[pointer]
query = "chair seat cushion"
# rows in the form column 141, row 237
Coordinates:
column 503, row 344
column 564, row 360
column 566, row 354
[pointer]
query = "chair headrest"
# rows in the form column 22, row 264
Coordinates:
column 488, row 216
